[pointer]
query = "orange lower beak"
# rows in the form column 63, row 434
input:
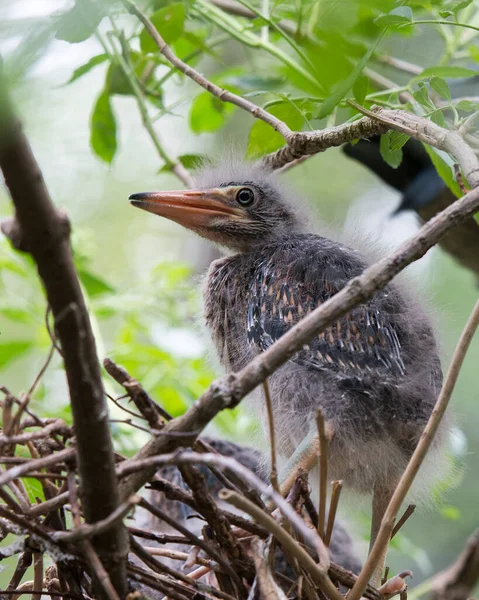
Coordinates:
column 191, row 208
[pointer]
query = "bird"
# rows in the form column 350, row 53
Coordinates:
column 375, row 373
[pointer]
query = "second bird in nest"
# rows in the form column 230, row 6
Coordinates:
column 375, row 373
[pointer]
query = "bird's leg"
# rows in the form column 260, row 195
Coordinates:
column 381, row 497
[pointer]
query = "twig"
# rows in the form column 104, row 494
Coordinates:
column 160, row 514
column 333, row 506
column 99, row 571
column 183, row 556
column 222, row 94
column 229, row 463
column 418, row 456
column 407, row 513
column 36, row 464
column 22, row 438
column 319, row 573
column 272, row 436
column 86, row 531
column 158, row 566
column 151, row 411
column 37, row 574
column 323, row 471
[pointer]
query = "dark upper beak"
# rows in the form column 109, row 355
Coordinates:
column 190, row 208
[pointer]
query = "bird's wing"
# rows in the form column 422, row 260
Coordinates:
column 363, row 341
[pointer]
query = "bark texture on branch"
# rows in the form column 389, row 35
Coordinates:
column 41, row 230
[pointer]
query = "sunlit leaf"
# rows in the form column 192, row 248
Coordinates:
column 103, row 128
column 88, row 66
column 80, row 22
column 94, row 285
column 34, row 489
column 263, row 139
column 422, row 96
column 12, row 350
column 208, row 113
column 18, row 315
column 169, row 21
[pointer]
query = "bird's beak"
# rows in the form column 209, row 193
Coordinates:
column 190, row 208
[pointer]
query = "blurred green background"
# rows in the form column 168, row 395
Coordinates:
column 142, row 274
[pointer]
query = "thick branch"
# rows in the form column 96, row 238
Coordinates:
column 43, row 231
column 228, row 391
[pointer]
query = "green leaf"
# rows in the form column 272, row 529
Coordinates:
column 398, row 16
column 189, row 161
column 169, row 21
column 343, row 87
column 467, row 106
column 34, row 489
column 103, row 129
column 474, row 53
column 439, row 85
column 12, row 350
column 208, row 113
column 80, row 22
column 360, row 89
column 397, row 140
column 438, row 118
column 94, row 285
column 447, row 72
column 263, row 139
column 444, row 171
column 392, row 157
column 422, row 96
column 88, row 66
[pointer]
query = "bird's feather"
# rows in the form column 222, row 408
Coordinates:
column 362, row 341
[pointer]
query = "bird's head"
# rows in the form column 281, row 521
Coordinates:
column 239, row 206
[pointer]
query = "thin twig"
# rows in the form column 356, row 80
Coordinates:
column 222, row 94
column 323, row 471
column 333, row 507
column 407, row 513
column 418, row 456
column 318, row 572
column 272, row 436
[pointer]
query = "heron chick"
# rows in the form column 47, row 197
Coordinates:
column 375, row 373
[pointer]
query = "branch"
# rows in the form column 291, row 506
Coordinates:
column 220, row 93
column 460, row 579
column 44, row 232
column 228, row 391
column 387, row 524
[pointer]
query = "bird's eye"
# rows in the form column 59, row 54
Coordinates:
column 245, row 196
